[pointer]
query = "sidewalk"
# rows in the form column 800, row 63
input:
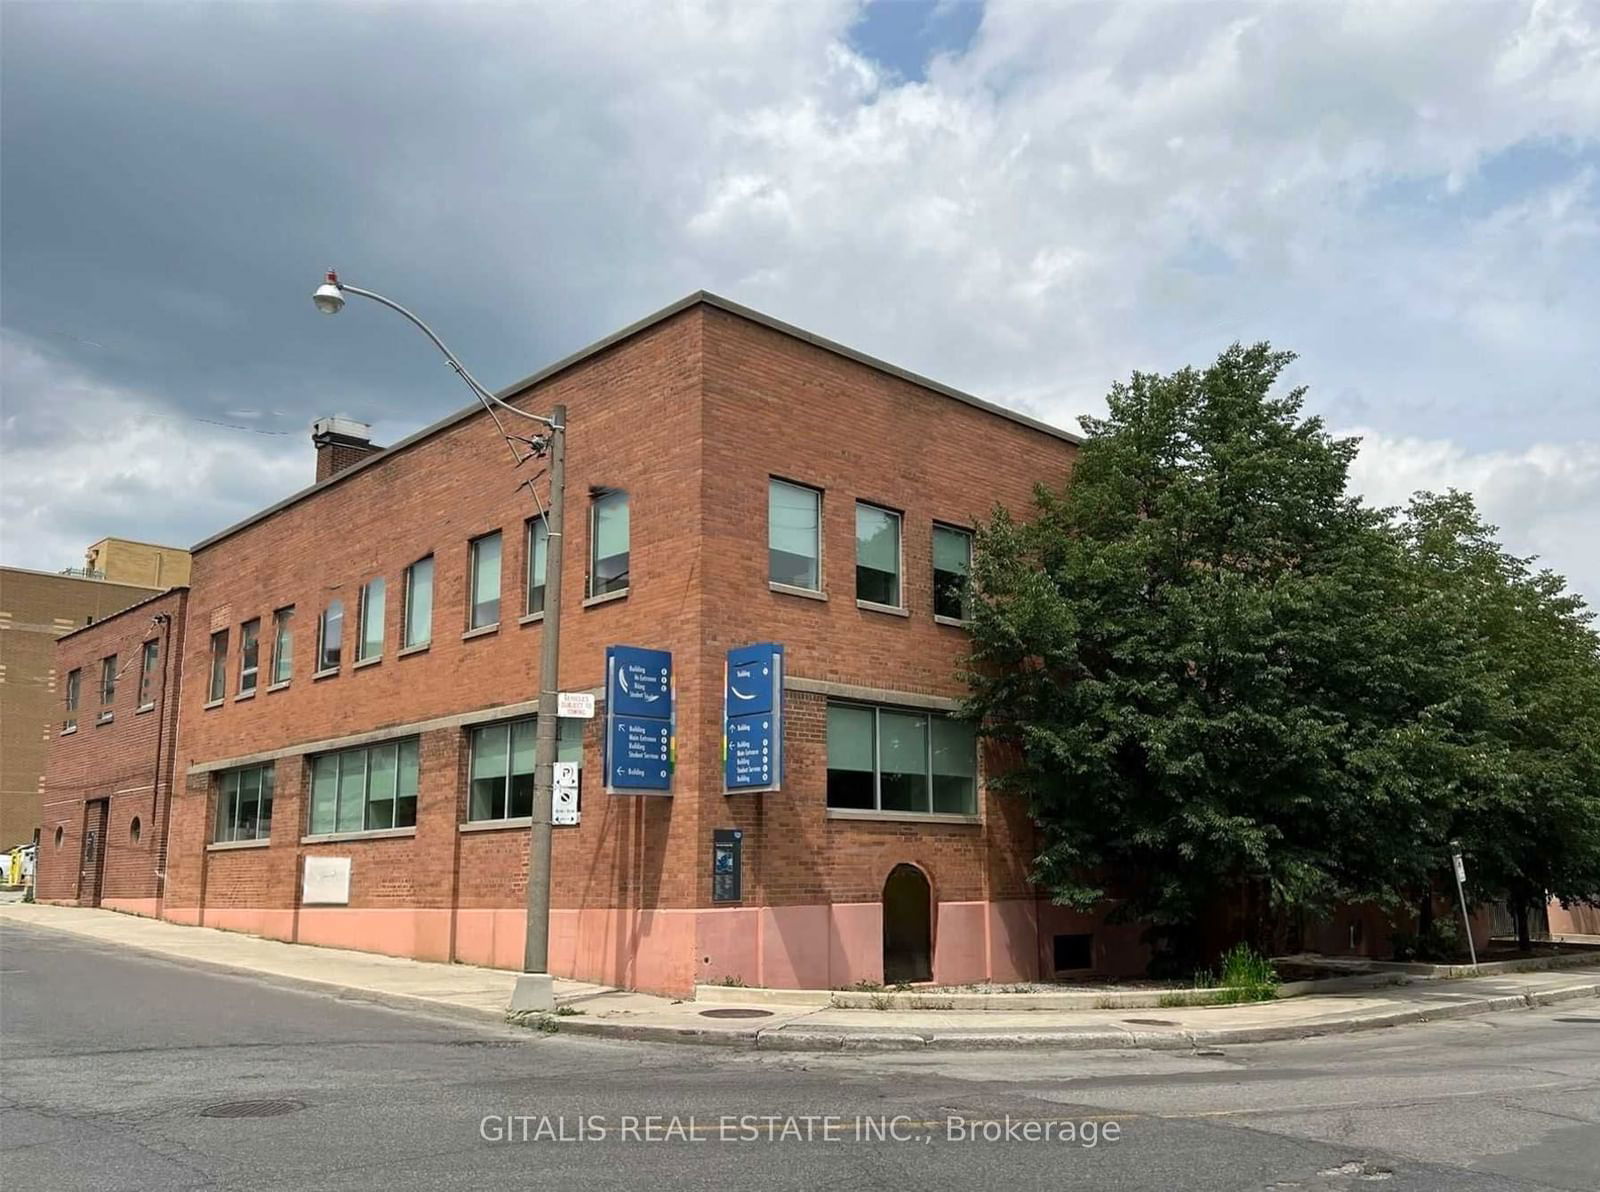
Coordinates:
column 482, row 995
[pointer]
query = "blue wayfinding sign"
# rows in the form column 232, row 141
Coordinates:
column 752, row 718
column 639, row 719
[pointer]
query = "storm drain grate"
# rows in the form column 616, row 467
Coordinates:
column 1150, row 1021
column 735, row 1012
column 250, row 1109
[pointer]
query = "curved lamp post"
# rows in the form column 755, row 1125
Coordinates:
column 534, row 990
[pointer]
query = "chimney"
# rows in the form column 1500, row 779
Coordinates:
column 341, row 443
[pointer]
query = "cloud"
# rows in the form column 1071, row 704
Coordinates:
column 1544, row 497
column 1407, row 195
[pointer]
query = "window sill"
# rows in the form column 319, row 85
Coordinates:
column 68, row 730
column 905, row 817
column 225, row 846
column 605, row 598
column 419, row 648
column 213, row 703
column 251, row 694
column 791, row 590
column 953, row 622
column 143, row 708
column 104, row 718
column 271, row 687
column 375, row 834
column 365, row 662
column 890, row 609
column 331, row 673
column 522, row 821
column 530, row 618
column 481, row 631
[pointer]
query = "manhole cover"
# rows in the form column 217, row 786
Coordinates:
column 735, row 1012
column 1150, row 1021
column 244, row 1109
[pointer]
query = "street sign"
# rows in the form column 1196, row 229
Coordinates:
column 564, row 796
column 639, row 720
column 752, row 719
column 575, row 705
column 726, row 846
column 1461, row 867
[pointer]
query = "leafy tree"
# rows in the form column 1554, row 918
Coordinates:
column 1219, row 673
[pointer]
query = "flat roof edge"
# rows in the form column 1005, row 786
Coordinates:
column 121, row 612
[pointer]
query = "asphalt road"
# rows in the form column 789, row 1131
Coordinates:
column 119, row 1070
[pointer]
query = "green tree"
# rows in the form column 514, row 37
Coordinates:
column 1217, row 671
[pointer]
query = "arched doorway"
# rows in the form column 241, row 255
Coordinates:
column 907, row 926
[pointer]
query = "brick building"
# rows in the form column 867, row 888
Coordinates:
column 109, row 774
column 360, row 669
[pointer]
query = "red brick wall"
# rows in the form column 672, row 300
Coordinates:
column 115, row 761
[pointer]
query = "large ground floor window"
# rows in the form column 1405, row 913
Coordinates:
column 365, row 790
column 892, row 759
column 244, row 804
column 501, row 786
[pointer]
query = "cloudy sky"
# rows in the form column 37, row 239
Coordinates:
column 1025, row 200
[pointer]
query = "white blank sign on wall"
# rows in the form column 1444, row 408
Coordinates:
column 326, row 882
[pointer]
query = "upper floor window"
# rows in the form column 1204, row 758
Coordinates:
column 365, row 790
column 283, row 645
column 370, row 644
column 952, row 569
column 330, row 636
column 889, row 759
column 794, row 535
column 608, row 542
column 244, row 804
column 877, row 555
column 484, row 582
column 538, row 560
column 501, row 783
column 74, row 686
column 147, row 674
column 249, row 655
column 218, row 686
column 418, row 628
column 108, row 679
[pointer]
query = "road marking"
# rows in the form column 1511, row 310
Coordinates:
column 1410, row 1101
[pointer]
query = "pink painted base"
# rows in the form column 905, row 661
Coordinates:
column 150, row 908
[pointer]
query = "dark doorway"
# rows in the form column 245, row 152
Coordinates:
column 907, row 926
column 94, row 852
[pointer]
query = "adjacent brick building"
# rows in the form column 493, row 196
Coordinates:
column 109, row 776
column 361, row 662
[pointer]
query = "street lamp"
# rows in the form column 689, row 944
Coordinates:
column 534, row 990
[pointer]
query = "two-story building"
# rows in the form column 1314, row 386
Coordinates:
column 360, row 671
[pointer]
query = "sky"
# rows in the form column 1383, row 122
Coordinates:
column 1025, row 200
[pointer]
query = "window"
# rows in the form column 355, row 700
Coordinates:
column 330, row 636
column 283, row 645
column 249, row 655
column 877, row 555
column 952, row 565
column 538, row 559
column 74, row 686
column 887, row 759
column 485, row 582
column 244, row 804
column 219, row 666
column 794, row 543
column 502, row 766
column 108, row 679
column 147, row 674
column 365, row 790
column 418, row 629
column 608, row 542
column 371, row 643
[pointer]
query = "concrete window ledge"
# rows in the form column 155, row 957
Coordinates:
column 953, row 622
column 886, row 609
column 905, row 817
column 530, row 619
column 105, row 718
column 214, row 703
column 522, row 821
column 365, row 662
column 143, row 708
column 791, row 590
column 223, row 846
column 331, row 673
column 68, row 731
column 271, row 687
column 251, row 694
column 481, row 631
column 375, row 834
column 606, row 598
column 419, row 648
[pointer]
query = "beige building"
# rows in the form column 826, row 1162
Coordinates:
column 37, row 607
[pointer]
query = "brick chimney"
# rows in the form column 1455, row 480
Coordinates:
column 341, row 443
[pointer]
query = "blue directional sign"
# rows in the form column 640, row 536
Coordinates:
column 639, row 719
column 752, row 718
